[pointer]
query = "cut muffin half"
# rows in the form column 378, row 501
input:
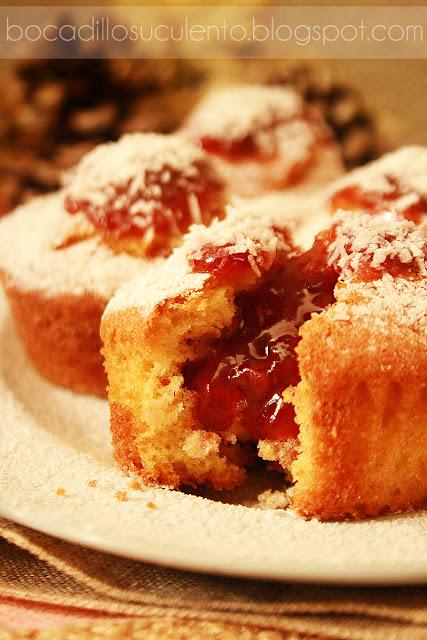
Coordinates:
column 152, row 330
column 247, row 348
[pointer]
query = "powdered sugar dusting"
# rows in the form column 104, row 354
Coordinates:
column 127, row 163
column 362, row 238
column 31, row 257
column 384, row 303
column 233, row 113
column 263, row 138
column 242, row 231
column 407, row 167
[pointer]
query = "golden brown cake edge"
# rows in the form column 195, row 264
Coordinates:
column 61, row 337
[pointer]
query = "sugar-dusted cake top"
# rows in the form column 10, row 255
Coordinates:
column 397, row 180
column 407, row 164
column 386, row 304
column 384, row 255
column 129, row 162
column 43, row 248
column 242, row 232
column 143, row 191
column 377, row 243
column 263, row 138
column 235, row 112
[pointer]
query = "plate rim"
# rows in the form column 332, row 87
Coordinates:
column 353, row 576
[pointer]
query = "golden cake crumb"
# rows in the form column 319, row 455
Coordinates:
column 151, row 505
column 361, row 360
column 60, row 492
column 271, row 499
column 92, row 483
column 135, row 485
column 121, row 496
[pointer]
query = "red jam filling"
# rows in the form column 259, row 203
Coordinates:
column 248, row 147
column 166, row 214
column 240, row 385
column 375, row 202
column 235, row 151
column 365, row 271
column 392, row 266
column 229, row 267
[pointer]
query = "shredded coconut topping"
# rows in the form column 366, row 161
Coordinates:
column 128, row 163
column 269, row 123
column 233, row 113
column 362, row 238
column 405, row 168
column 242, row 231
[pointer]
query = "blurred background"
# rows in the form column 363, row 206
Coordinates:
column 53, row 111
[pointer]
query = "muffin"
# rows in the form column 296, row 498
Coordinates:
column 264, row 139
column 245, row 348
column 122, row 210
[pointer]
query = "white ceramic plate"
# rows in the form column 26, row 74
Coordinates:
column 52, row 439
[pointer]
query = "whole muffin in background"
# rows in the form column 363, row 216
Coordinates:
column 264, row 139
column 51, row 116
column 123, row 208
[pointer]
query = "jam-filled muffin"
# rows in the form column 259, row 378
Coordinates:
column 245, row 348
column 397, row 182
column 264, row 139
column 122, row 209
column 142, row 193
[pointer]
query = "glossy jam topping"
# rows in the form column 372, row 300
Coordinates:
column 162, row 208
column 261, row 145
column 227, row 265
column 408, row 205
column 237, row 150
column 240, row 386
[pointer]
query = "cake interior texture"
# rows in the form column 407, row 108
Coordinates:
column 352, row 398
column 148, row 394
column 356, row 409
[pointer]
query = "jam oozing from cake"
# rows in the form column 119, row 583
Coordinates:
column 406, row 203
column 163, row 207
column 240, row 386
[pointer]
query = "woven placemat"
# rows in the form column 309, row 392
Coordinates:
column 36, row 567
column 157, row 629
